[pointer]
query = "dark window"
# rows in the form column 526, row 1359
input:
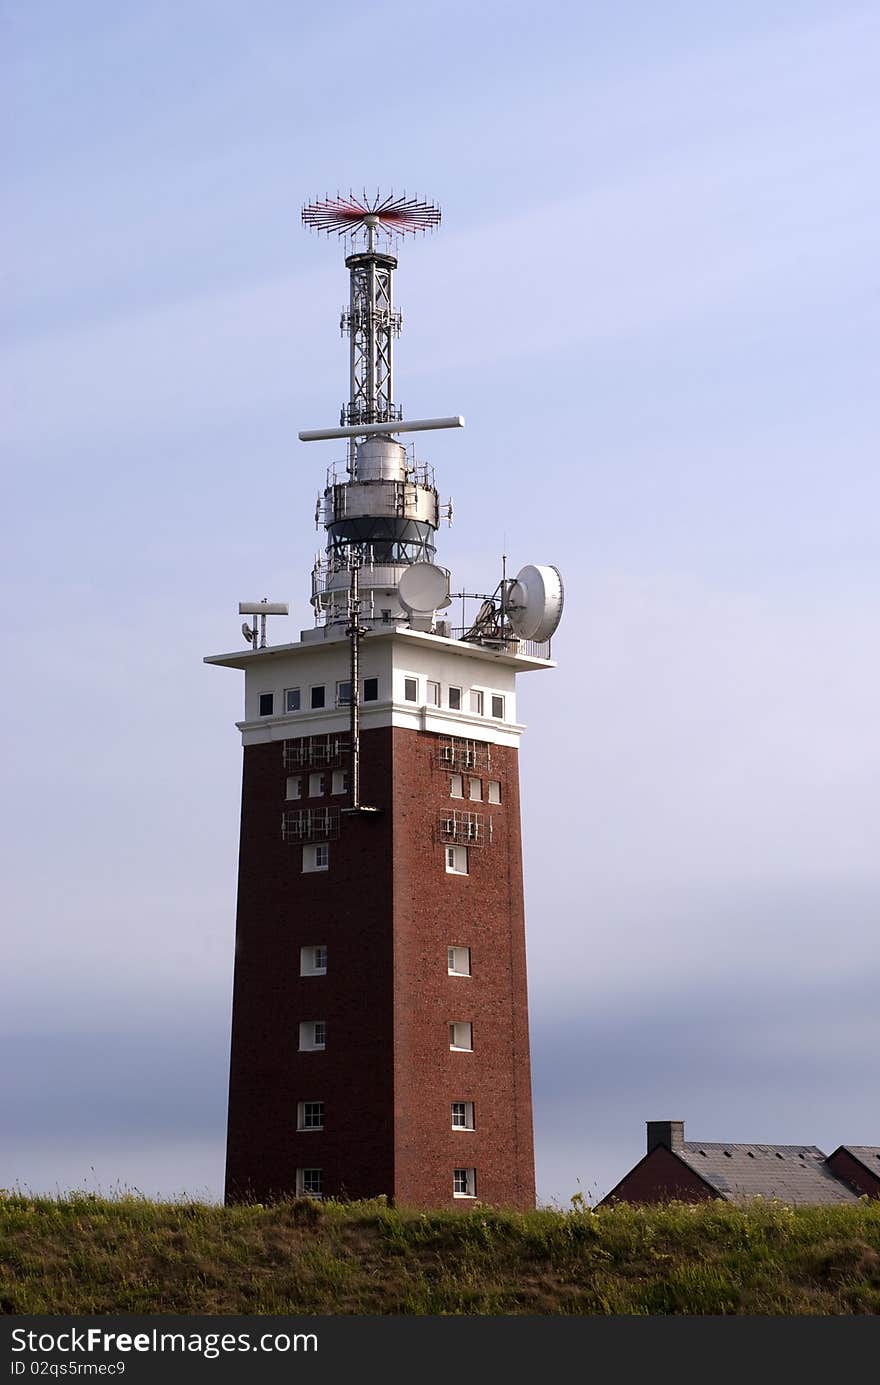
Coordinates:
column 318, row 696
column 455, row 699
column 343, row 694
column 371, row 690
column 267, row 704
column 291, row 698
column 411, row 689
column 497, row 706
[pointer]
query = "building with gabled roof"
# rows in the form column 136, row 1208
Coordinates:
column 675, row 1169
column 859, row 1166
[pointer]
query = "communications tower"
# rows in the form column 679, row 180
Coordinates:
column 380, row 1027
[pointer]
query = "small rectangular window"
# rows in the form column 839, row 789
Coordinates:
column 267, row 704
column 461, row 1036
column 458, row 961
column 310, row 1115
column 494, row 791
column 316, row 856
column 475, row 790
column 433, row 694
column 316, row 786
column 312, row 1035
column 318, row 696
column 411, row 689
column 343, row 693
column 455, row 699
column 371, row 690
column 456, row 860
column 294, row 786
column 309, row 1182
column 498, row 706
column 456, row 786
column 464, row 1183
column 340, row 781
column 463, row 1115
column 476, row 702
column 313, row 960
column 291, row 700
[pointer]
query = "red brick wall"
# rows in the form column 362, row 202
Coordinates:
column 387, row 911
column 484, row 911
column 280, row 909
column 854, row 1173
column 660, row 1177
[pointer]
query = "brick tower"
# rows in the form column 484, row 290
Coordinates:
column 380, row 1025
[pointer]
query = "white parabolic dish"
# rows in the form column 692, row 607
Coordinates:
column 424, row 587
column 535, row 601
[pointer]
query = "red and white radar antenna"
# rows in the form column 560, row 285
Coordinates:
column 344, row 216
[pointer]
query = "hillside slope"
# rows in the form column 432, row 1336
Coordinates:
column 84, row 1254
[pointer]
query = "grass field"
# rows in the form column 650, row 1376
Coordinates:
column 87, row 1254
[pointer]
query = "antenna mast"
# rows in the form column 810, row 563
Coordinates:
column 371, row 320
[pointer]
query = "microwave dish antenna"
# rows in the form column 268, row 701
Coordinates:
column 424, row 588
column 534, row 602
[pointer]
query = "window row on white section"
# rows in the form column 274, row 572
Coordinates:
column 480, row 702
column 316, row 785
column 315, row 697
column 474, row 785
column 313, row 962
column 316, row 857
column 310, row 1182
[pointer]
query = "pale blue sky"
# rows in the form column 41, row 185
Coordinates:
column 655, row 298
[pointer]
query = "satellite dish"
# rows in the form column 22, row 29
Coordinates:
column 424, row 588
column 247, row 632
column 534, row 602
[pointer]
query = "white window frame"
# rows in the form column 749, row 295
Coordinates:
column 288, row 693
column 494, row 791
column 301, row 1115
column 317, row 784
column 413, row 679
column 452, row 959
column 461, row 1029
column 340, row 781
column 308, row 960
column 307, row 1040
column 477, row 701
column 497, row 697
column 456, row 786
column 467, row 1178
column 456, row 858
column 464, row 1109
column 451, row 693
column 316, row 857
column 342, row 683
column 478, row 796
column 432, row 693
column 294, row 787
column 306, row 1176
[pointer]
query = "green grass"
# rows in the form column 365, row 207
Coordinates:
column 86, row 1254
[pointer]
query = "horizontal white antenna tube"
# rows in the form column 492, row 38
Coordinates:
column 365, row 430
column 263, row 608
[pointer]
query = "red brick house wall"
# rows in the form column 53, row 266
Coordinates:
column 661, row 1177
column 854, row 1173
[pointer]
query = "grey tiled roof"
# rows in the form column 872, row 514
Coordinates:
column 791, row 1173
column 868, row 1155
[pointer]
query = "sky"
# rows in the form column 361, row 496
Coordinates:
column 654, row 297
